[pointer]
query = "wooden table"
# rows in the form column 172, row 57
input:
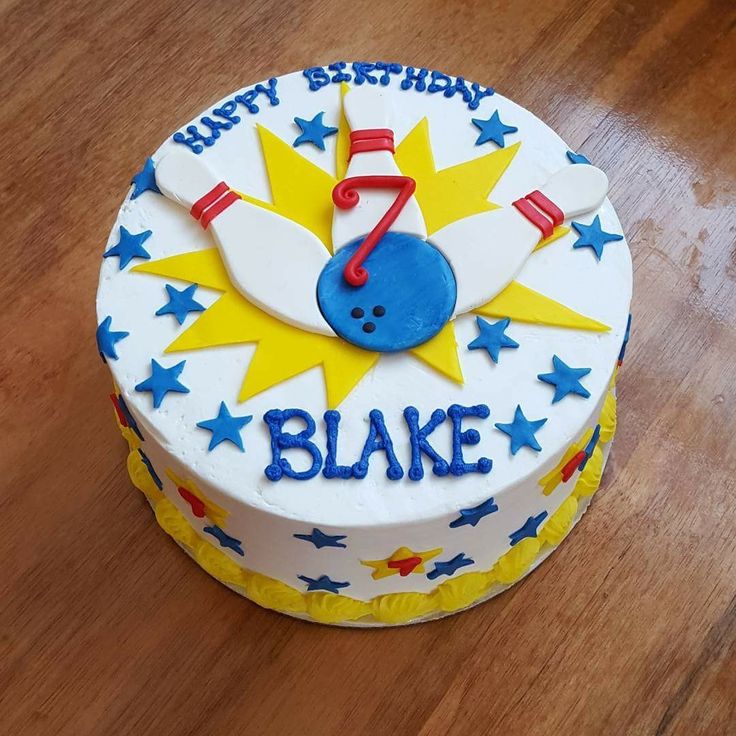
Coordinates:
column 630, row 628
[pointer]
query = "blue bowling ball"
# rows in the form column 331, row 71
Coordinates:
column 408, row 298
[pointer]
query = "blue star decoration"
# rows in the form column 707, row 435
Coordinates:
column 106, row 339
column 522, row 431
column 145, row 180
column 313, row 131
column 225, row 539
column 319, row 539
column 594, row 236
column 493, row 130
column 450, row 567
column 529, row 529
column 162, row 381
column 492, row 337
column 322, row 583
column 474, row 515
column 225, row 427
column 180, row 303
column 128, row 247
column 577, row 158
column 565, row 379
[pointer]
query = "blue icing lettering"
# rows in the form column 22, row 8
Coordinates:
column 317, row 77
column 280, row 440
column 332, row 469
column 226, row 112
column 341, row 76
column 388, row 69
column 458, row 466
column 419, row 444
column 414, row 78
column 362, row 70
column 478, row 94
column 378, row 439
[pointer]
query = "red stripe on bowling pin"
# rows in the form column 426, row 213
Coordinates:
column 216, row 201
column 371, row 139
column 541, row 211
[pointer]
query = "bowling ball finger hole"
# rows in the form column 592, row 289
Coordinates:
column 369, row 327
column 379, row 310
column 356, row 313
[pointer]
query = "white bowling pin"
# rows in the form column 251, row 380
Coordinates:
column 367, row 109
column 486, row 251
column 273, row 261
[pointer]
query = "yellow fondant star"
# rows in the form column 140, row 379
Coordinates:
column 404, row 561
column 200, row 505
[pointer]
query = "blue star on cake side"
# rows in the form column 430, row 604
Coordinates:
column 565, row 379
column 522, row 430
column 225, row 427
column 319, row 539
column 473, row 515
column 107, row 339
column 180, row 303
column 128, row 247
column 225, row 539
column 313, row 131
column 577, row 158
column 323, row 582
column 492, row 337
column 145, row 180
column 528, row 529
column 162, row 381
column 449, row 567
column 492, row 130
column 594, row 236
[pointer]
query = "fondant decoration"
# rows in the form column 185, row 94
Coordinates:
column 565, row 379
column 225, row 539
column 200, row 505
column 590, row 447
column 461, row 437
column 145, row 180
column 323, row 582
column 280, row 440
column 128, row 247
column 107, row 339
column 492, row 337
column 272, row 261
column 163, row 381
column 319, row 539
column 473, row 515
column 493, row 130
column 594, row 236
column 180, row 303
column 522, row 431
column 420, row 444
column 627, row 334
column 577, row 158
column 313, row 131
column 378, row 440
column 407, row 300
column 453, row 193
column 225, row 427
column 486, row 251
column 528, row 529
column 523, row 304
column 449, row 567
column 372, row 154
column 125, row 418
column 149, row 467
column 404, row 561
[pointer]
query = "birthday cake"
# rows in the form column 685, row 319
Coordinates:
column 364, row 323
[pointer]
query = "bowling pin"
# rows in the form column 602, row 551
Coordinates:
column 273, row 261
column 486, row 251
column 372, row 154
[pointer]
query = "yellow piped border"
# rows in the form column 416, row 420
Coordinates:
column 393, row 608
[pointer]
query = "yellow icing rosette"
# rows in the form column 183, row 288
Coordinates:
column 274, row 594
column 141, row 478
column 333, row 608
column 398, row 608
column 589, row 480
column 174, row 523
column 607, row 419
column 462, row 591
column 218, row 564
column 512, row 565
column 559, row 524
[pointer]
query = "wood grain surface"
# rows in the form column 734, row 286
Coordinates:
column 106, row 627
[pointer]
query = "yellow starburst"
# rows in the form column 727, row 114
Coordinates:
column 404, row 561
column 284, row 351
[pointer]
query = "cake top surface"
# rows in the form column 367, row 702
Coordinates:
column 245, row 311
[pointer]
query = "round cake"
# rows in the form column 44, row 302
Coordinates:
column 364, row 323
